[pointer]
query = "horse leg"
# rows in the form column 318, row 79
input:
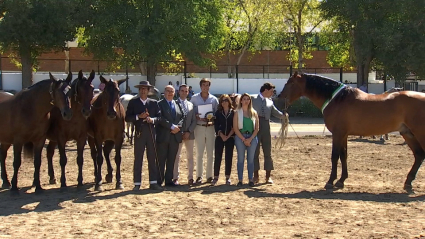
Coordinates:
column 3, row 155
column 80, row 160
column 343, row 158
column 17, row 160
column 50, row 151
column 63, row 161
column 99, row 160
column 336, row 150
column 419, row 155
column 118, row 146
column 107, row 148
column 93, row 154
column 38, row 147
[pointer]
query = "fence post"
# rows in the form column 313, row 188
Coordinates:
column 385, row 81
column 1, row 74
column 126, row 78
column 340, row 74
column 263, row 72
column 185, row 72
column 290, row 70
column 210, row 72
column 237, row 79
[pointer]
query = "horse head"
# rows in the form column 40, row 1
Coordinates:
column 111, row 95
column 82, row 90
column 293, row 89
column 235, row 100
column 59, row 93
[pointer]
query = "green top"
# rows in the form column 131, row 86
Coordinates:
column 248, row 125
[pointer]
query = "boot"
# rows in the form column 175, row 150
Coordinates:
column 268, row 177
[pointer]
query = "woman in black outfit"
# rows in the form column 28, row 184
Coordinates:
column 223, row 125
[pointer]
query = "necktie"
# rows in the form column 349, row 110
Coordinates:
column 184, row 107
column 173, row 110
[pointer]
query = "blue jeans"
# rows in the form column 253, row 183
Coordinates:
column 241, row 148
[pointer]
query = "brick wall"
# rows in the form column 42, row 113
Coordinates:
column 250, row 63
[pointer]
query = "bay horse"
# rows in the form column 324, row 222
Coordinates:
column 61, row 131
column 350, row 111
column 25, row 121
column 107, row 126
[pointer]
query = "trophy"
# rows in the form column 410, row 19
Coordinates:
column 210, row 117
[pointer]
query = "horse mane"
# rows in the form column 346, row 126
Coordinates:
column 325, row 87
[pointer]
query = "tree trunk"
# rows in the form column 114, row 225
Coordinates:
column 27, row 65
column 151, row 73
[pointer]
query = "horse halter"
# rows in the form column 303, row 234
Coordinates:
column 65, row 91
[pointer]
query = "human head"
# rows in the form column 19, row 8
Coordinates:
column 169, row 92
column 225, row 101
column 245, row 100
column 144, row 87
column 183, row 91
column 267, row 89
column 205, row 85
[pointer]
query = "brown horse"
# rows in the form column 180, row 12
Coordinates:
column 5, row 95
column 61, row 130
column 25, row 119
column 107, row 126
column 349, row 111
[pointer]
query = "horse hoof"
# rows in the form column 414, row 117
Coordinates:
column 408, row 187
column 339, row 184
column 5, row 185
column 119, row 186
column 108, row 178
column 98, row 188
column 329, row 186
column 39, row 191
column 52, row 181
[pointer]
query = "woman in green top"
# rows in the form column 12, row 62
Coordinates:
column 245, row 125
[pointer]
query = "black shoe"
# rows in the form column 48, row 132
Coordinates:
column 136, row 188
column 170, row 184
column 209, row 180
column 155, row 186
column 199, row 180
column 239, row 184
column 251, row 184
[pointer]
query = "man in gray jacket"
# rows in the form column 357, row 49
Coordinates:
column 188, row 129
column 265, row 109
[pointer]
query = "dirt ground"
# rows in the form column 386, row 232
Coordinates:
column 373, row 203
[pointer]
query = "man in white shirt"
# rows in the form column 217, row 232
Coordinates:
column 204, row 131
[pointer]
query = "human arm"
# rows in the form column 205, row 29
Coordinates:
column 236, row 127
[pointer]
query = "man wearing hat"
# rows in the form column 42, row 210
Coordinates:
column 144, row 113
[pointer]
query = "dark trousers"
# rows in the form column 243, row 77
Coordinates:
column 146, row 140
column 265, row 139
column 167, row 152
column 228, row 154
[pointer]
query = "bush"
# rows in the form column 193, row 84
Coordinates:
column 301, row 107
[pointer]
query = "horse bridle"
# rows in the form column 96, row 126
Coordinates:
column 65, row 91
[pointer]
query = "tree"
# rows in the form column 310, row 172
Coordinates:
column 31, row 27
column 302, row 17
column 137, row 33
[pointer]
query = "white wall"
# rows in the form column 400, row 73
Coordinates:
column 12, row 81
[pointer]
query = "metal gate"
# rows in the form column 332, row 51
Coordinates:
column 410, row 86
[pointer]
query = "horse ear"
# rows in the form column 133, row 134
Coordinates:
column 69, row 78
column 121, row 81
column 103, row 80
column 80, row 74
column 52, row 77
column 91, row 77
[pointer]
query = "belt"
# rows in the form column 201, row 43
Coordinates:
column 246, row 132
column 205, row 125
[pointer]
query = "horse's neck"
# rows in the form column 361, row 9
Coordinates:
column 41, row 100
column 317, row 100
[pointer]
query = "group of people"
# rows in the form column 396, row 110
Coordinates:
column 164, row 127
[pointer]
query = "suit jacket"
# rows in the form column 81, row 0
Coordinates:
column 166, row 121
column 189, row 123
column 136, row 107
column 269, row 108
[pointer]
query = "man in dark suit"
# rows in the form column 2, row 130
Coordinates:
column 169, row 135
column 144, row 113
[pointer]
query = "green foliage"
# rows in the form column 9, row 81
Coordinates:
column 153, row 30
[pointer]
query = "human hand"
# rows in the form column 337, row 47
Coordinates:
column 247, row 142
column 144, row 114
column 175, row 130
column 186, row 135
column 149, row 120
column 223, row 137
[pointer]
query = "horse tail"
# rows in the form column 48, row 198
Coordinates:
column 28, row 150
